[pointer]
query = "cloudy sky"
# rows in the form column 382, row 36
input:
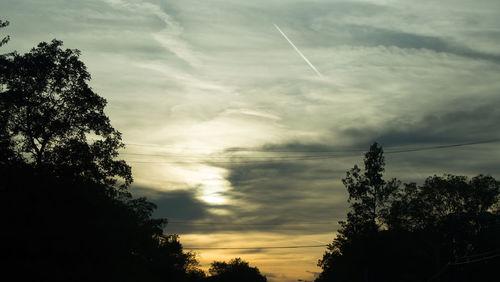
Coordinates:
column 241, row 143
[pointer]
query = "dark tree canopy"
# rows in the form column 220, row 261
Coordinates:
column 59, row 228
column 441, row 198
column 369, row 195
column 443, row 230
column 234, row 270
column 64, row 216
column 55, row 120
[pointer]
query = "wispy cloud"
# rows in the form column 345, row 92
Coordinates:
column 170, row 37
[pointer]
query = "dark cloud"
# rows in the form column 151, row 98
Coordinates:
column 467, row 160
column 296, row 149
column 372, row 36
column 468, row 122
column 187, row 214
column 180, row 204
column 294, row 197
column 462, row 125
column 177, row 205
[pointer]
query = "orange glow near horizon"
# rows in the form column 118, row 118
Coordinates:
column 291, row 264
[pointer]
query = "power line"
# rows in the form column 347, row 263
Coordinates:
column 479, row 254
column 338, row 154
column 402, row 150
column 254, row 248
column 251, row 224
column 476, row 260
column 443, row 146
column 493, row 140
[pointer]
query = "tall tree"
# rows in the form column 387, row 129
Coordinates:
column 369, row 193
column 64, row 215
column 369, row 198
column 55, row 119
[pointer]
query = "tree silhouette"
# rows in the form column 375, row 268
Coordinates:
column 445, row 229
column 458, row 216
column 65, row 216
column 234, row 270
column 52, row 112
column 369, row 193
column 169, row 258
column 369, row 196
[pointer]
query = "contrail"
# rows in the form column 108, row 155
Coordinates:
column 298, row 51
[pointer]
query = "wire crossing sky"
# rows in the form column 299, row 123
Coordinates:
column 256, row 248
column 320, row 155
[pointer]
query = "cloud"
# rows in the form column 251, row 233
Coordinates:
column 469, row 123
column 174, row 205
column 371, row 36
column 170, row 37
column 252, row 113
column 290, row 197
column 314, row 273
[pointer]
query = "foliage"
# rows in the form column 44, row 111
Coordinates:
column 61, row 229
column 5, row 39
column 432, row 204
column 50, row 112
column 64, row 216
column 368, row 194
column 409, row 232
column 234, row 270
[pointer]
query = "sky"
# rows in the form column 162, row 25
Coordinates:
column 241, row 142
